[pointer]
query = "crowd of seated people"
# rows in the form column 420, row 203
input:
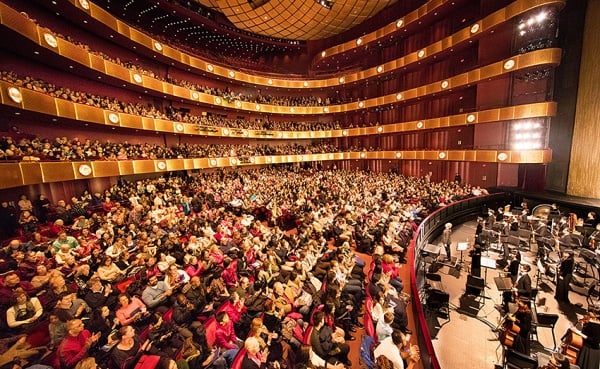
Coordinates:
column 64, row 149
column 225, row 93
column 214, row 252
column 151, row 111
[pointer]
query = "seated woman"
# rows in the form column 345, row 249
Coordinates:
column 108, row 271
column 127, row 352
column 255, row 357
column 24, row 312
column 132, row 310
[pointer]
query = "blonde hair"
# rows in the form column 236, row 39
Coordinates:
column 87, row 363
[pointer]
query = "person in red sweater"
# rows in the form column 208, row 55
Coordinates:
column 225, row 337
column 76, row 344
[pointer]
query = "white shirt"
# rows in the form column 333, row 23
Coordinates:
column 388, row 349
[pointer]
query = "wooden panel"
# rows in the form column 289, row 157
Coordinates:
column 73, row 52
column 31, row 173
column 175, row 165
column 65, row 109
column 38, row 102
column 144, row 166
column 105, row 168
column 131, row 121
column 18, row 22
column 152, row 83
column 57, row 172
column 96, row 63
column 89, row 113
column 163, row 125
column 486, row 156
column 116, row 70
column 11, row 176
column 126, row 167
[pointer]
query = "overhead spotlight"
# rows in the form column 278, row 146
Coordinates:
column 325, row 3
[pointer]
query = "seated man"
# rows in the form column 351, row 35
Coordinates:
column 325, row 344
column 156, row 293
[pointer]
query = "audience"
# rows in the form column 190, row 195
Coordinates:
column 233, row 255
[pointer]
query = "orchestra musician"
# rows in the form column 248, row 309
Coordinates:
column 521, row 287
column 565, row 274
column 523, row 318
column 589, row 354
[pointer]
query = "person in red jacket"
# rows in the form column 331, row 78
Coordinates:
column 76, row 344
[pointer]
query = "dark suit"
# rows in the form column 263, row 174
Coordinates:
column 524, row 286
column 325, row 348
column 248, row 363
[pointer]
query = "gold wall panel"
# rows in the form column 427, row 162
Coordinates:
column 429, row 155
column 457, row 120
column 39, row 102
column 31, row 173
column 106, row 168
column 11, row 175
column 115, row 70
column 89, row 113
column 19, row 23
column 73, row 52
column 58, row 172
column 153, row 83
column 175, row 164
column 456, row 155
column 148, row 124
column 141, row 38
column 188, row 164
column 163, row 125
column 105, row 17
column 172, row 53
column 486, row 156
column 131, row 121
column 126, row 167
column 470, row 155
column 177, row 91
column 96, row 63
column 144, row 166
column 489, row 115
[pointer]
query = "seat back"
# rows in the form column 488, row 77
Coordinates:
column 239, row 358
column 517, row 360
column 211, row 328
column 147, row 362
column 546, row 320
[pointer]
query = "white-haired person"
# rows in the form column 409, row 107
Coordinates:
column 447, row 240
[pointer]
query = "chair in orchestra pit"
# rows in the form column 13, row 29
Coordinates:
column 545, row 320
column 438, row 302
column 517, row 360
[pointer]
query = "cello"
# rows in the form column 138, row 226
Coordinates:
column 572, row 341
column 509, row 331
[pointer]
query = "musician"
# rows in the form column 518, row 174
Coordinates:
column 447, row 239
column 523, row 285
column 513, row 270
column 491, row 219
column 565, row 274
column 591, row 220
column 589, row 356
column 523, row 318
column 594, row 238
column 475, row 254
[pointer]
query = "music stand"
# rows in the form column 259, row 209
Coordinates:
column 503, row 283
column 487, row 263
column 462, row 246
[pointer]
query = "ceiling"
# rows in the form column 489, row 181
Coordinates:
column 297, row 19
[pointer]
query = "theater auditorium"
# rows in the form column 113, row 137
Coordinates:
column 278, row 184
